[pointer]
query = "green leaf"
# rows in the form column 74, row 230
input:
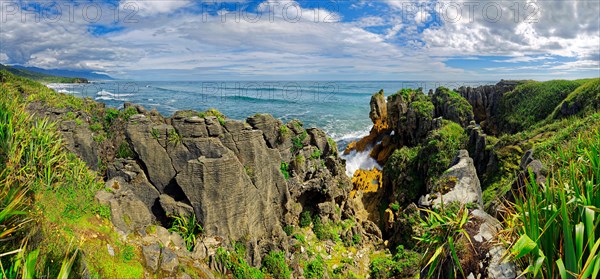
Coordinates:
column 522, row 247
column 561, row 268
column 455, row 256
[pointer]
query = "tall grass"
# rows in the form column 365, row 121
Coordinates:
column 556, row 222
column 32, row 160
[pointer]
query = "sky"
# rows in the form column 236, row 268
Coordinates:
column 306, row 40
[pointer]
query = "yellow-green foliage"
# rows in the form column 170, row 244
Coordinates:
column 402, row 170
column 556, row 223
column 586, row 98
column 36, row 167
column 532, row 102
column 441, row 147
column 404, row 264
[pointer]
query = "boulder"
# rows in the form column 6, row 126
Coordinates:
column 458, row 184
column 151, row 256
column 169, row 261
column 129, row 214
column 175, row 208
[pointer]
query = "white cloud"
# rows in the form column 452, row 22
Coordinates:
column 153, row 7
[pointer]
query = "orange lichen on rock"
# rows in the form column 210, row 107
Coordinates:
column 381, row 126
column 367, row 181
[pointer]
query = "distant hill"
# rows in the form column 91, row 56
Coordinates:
column 41, row 77
column 66, row 73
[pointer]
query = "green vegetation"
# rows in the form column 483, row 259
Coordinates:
column 34, row 166
column 402, row 171
column 316, row 154
column 128, row 112
column 188, row 228
column 289, row 230
column 284, row 168
column 459, row 108
column 214, row 112
column 532, row 102
column 173, row 137
column 284, row 133
column 440, row 148
column 305, row 219
column 583, row 100
column 274, row 264
column 315, row 269
column 404, row 264
column 41, row 77
column 442, row 231
column 236, row 264
column 563, row 239
column 125, row 151
column 298, row 141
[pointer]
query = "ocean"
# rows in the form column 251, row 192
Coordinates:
column 340, row 108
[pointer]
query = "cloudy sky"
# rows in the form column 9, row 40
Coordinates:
column 306, row 40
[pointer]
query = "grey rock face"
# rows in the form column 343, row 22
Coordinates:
column 169, row 261
column 485, row 101
column 129, row 213
column 152, row 256
column 458, row 184
column 151, row 153
column 378, row 107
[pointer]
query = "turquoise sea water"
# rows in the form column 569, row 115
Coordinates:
column 341, row 108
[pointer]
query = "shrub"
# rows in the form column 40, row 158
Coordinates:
column 188, row 227
column 395, row 206
column 284, row 133
column 289, row 230
column 298, row 141
column 440, row 231
column 284, row 168
column 440, row 149
column 110, row 114
column 235, row 263
column 404, row 264
column 174, row 137
column 274, row 264
column 129, row 112
column 125, row 151
column 401, row 170
column 315, row 269
column 316, row 154
column 96, row 127
column 305, row 219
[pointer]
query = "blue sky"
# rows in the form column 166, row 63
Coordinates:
column 306, row 40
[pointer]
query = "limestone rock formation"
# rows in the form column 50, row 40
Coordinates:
column 458, row 184
column 486, row 100
column 480, row 255
column 411, row 116
column 451, row 106
column 379, row 117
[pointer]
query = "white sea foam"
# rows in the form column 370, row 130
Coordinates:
column 359, row 161
column 110, row 94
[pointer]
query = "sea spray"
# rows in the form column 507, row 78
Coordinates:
column 360, row 161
